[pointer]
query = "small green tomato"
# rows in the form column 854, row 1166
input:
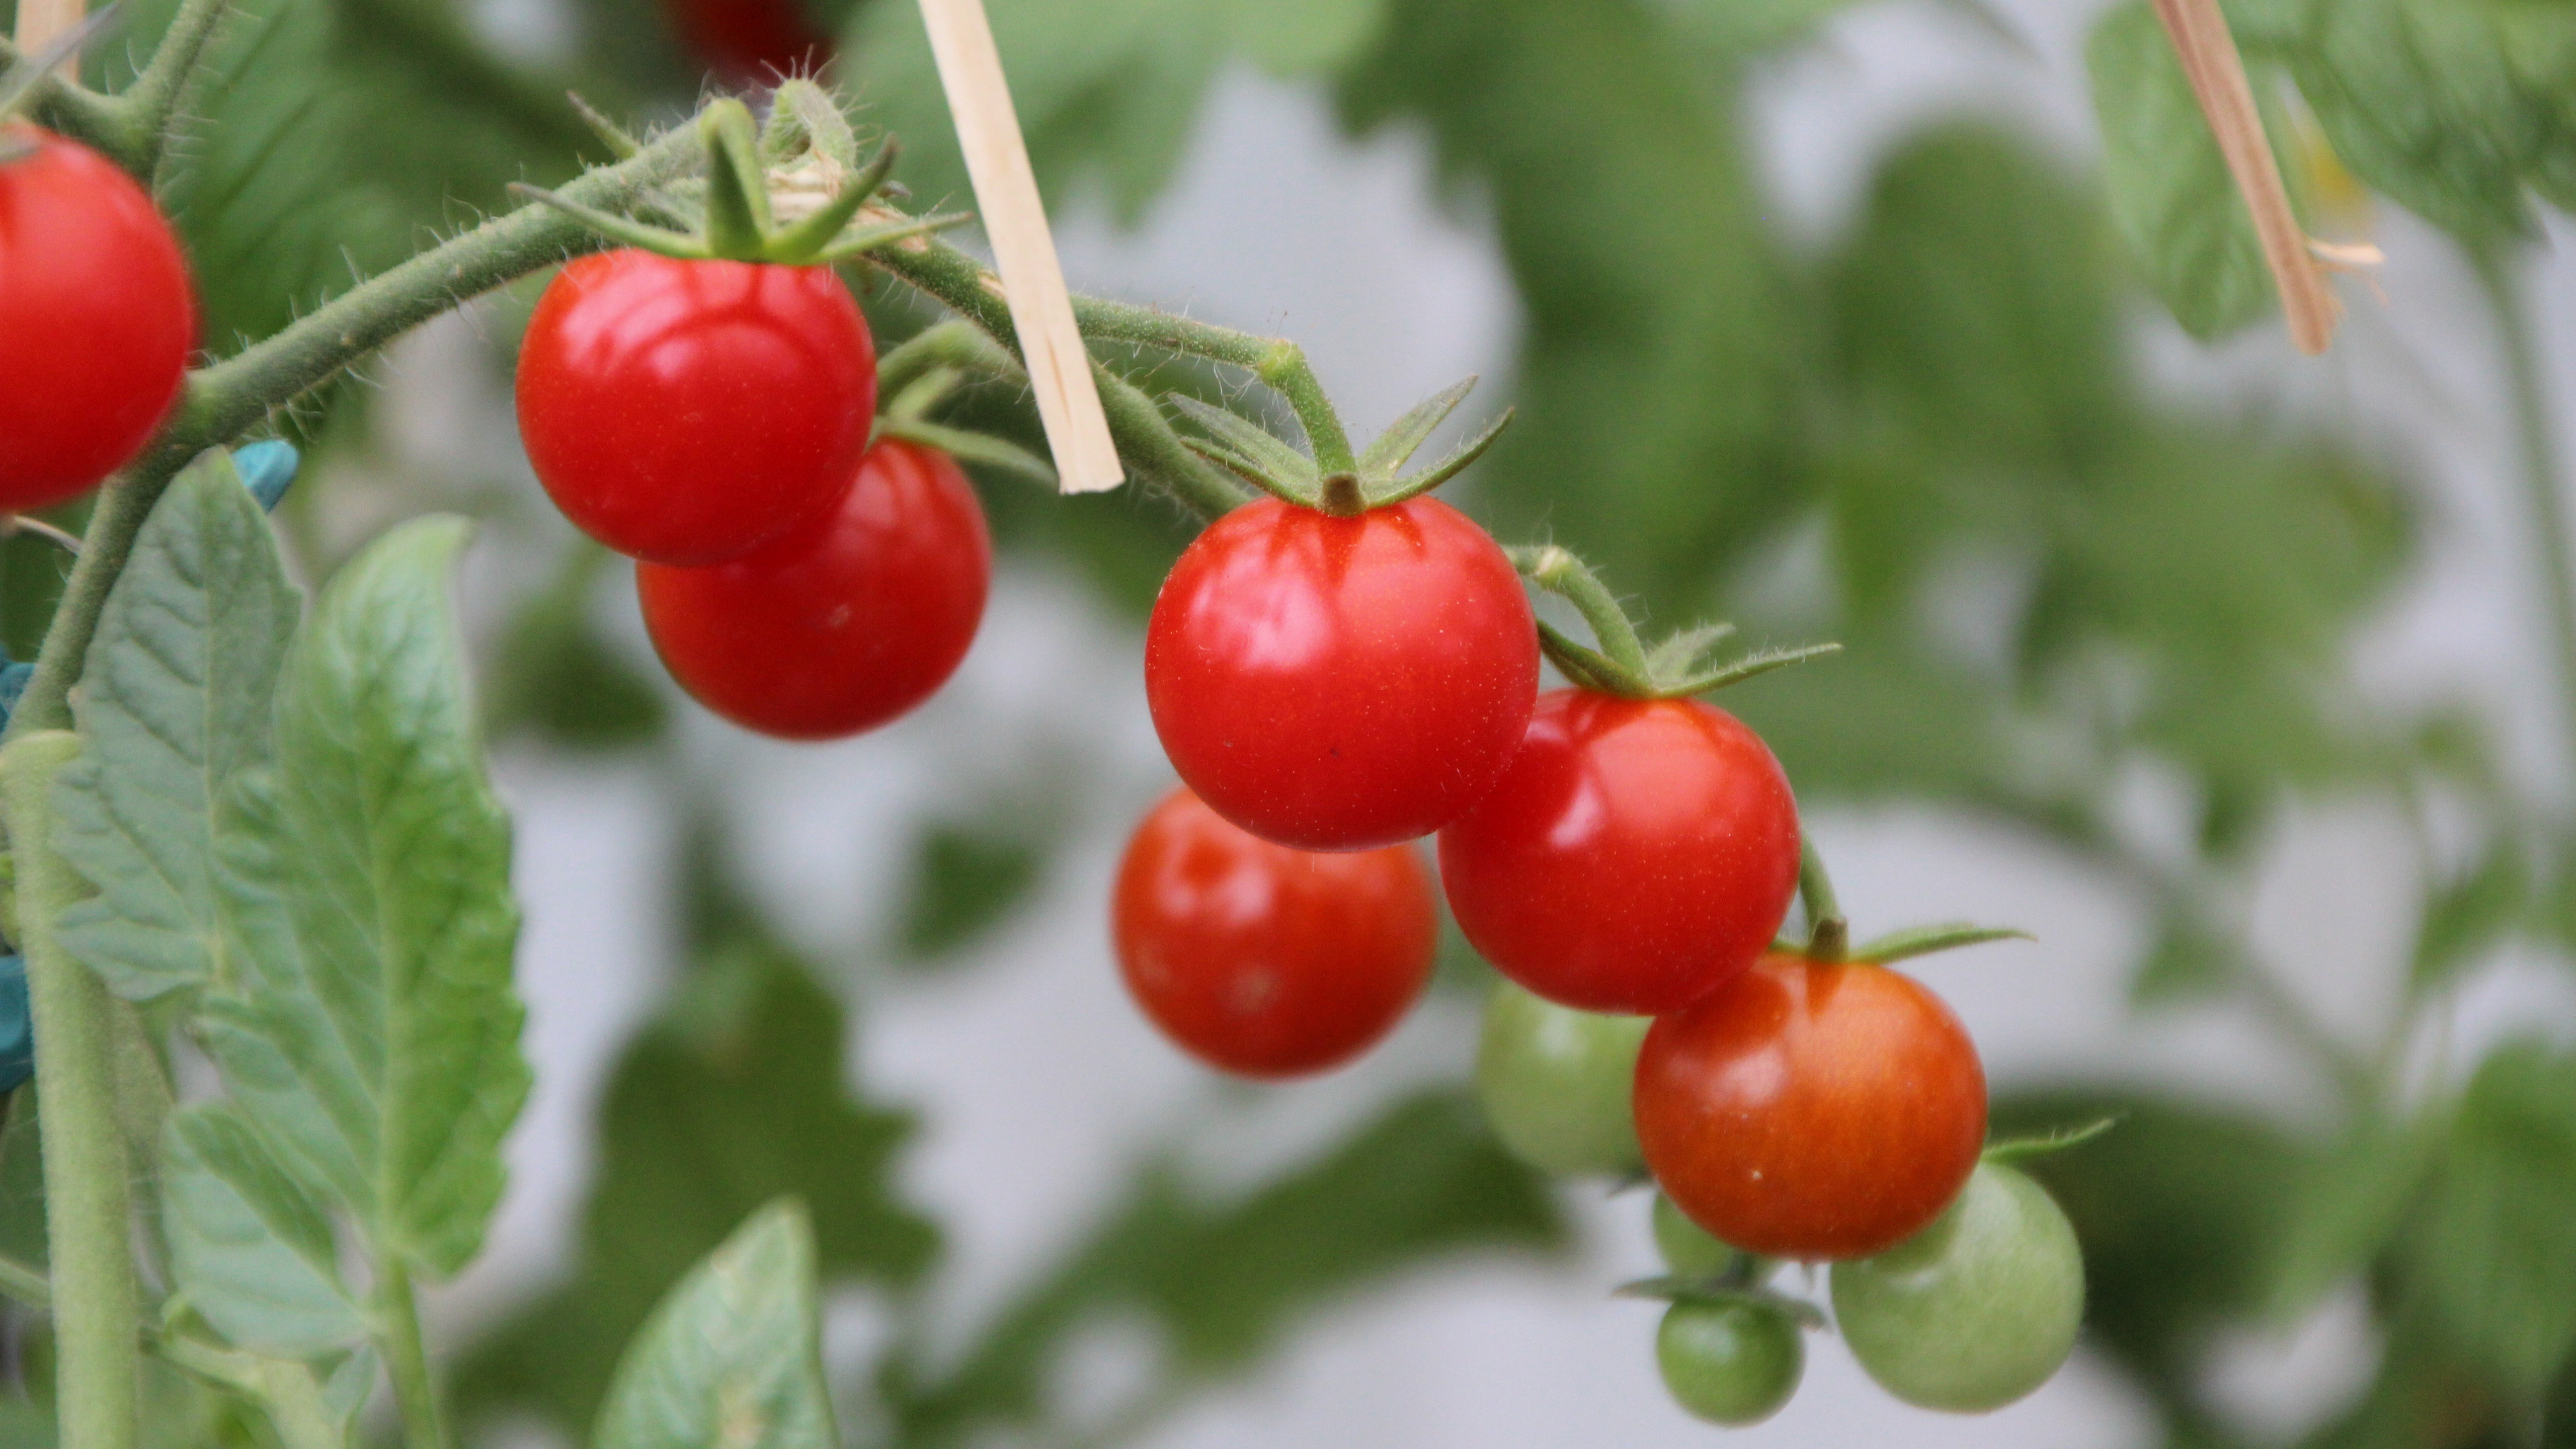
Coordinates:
column 1690, row 1252
column 1976, row 1310
column 1555, row 1083
column 1730, row 1361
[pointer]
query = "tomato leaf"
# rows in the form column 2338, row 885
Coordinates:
column 373, row 1035
column 2467, row 916
column 734, row 1355
column 2345, row 1208
column 1925, row 940
column 174, row 702
column 1676, row 1288
column 2170, row 188
column 249, row 1244
column 2493, row 1256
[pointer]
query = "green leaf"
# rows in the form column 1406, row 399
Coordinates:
column 1225, row 1281
column 2493, row 1255
column 374, row 1036
column 742, row 1096
column 2188, row 962
column 965, row 881
column 1925, row 940
column 2345, row 1209
column 2469, row 915
column 555, row 675
column 249, row 1245
column 733, row 1358
column 2170, row 188
column 174, row 702
column 2046, row 1144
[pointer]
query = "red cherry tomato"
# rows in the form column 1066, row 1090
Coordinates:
column 688, row 412
column 843, row 625
column 1811, row 1111
column 1637, row 854
column 749, row 42
column 96, row 320
column 1341, row 683
column 1267, row 961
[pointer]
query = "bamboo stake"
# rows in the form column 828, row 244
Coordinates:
column 1006, row 193
column 2217, row 74
column 39, row 21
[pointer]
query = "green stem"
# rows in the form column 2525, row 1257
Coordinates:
column 145, row 108
column 1560, row 573
column 88, row 1208
column 407, row 1362
column 1144, row 436
column 26, row 1285
column 1277, row 362
column 2539, row 461
column 1828, row 932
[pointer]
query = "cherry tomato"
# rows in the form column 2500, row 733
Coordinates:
column 843, row 625
column 1811, row 1111
column 1637, row 854
column 1976, row 1310
column 1691, row 1253
column 1554, row 1083
column 1341, row 683
column 1267, row 961
column 1730, row 1361
column 96, row 320
column 749, row 42
column 687, row 412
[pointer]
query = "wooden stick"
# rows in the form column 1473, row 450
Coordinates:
column 39, row 21
column 2217, row 75
column 1006, row 192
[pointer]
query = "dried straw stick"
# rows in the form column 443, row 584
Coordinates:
column 39, row 21
column 1006, row 193
column 2217, row 75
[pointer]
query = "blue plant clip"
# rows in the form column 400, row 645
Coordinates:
column 266, row 468
column 17, row 1027
column 13, row 683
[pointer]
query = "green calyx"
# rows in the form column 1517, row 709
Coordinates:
column 1677, row 667
column 1829, row 931
column 920, row 375
column 1676, row 1288
column 1330, row 478
column 795, row 193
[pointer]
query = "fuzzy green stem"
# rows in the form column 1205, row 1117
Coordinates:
column 145, row 108
column 407, row 1361
column 88, row 1206
column 25, row 1285
column 1280, row 364
column 1144, row 436
column 1828, row 932
column 2538, row 459
column 1559, row 572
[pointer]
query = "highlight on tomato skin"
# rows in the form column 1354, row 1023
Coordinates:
column 842, row 627
column 1811, row 1110
column 688, row 412
column 1265, row 961
column 1341, row 683
column 1635, row 855
column 97, row 320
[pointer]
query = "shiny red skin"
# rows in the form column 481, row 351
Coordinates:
column 1341, row 683
column 749, row 42
column 96, row 320
column 1637, row 854
column 1266, row 961
column 1811, row 1111
column 845, row 625
column 688, row 412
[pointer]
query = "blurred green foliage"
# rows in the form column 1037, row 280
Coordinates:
column 1939, row 407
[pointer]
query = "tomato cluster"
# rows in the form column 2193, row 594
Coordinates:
column 97, row 318
column 712, row 419
column 1333, row 678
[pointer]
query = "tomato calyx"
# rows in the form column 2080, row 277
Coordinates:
column 2021, row 1149
column 1676, row 667
column 1326, row 475
column 1732, row 1288
column 795, row 193
column 920, row 384
column 1829, row 931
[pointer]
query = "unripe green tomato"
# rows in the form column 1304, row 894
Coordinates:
column 1976, row 1310
column 1688, row 1249
column 1732, row 1363
column 1555, row 1083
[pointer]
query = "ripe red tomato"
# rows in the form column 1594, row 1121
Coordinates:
column 688, row 412
column 1812, row 1111
column 843, row 625
column 749, row 42
column 1637, row 854
column 1267, row 961
column 1341, row 683
column 96, row 320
